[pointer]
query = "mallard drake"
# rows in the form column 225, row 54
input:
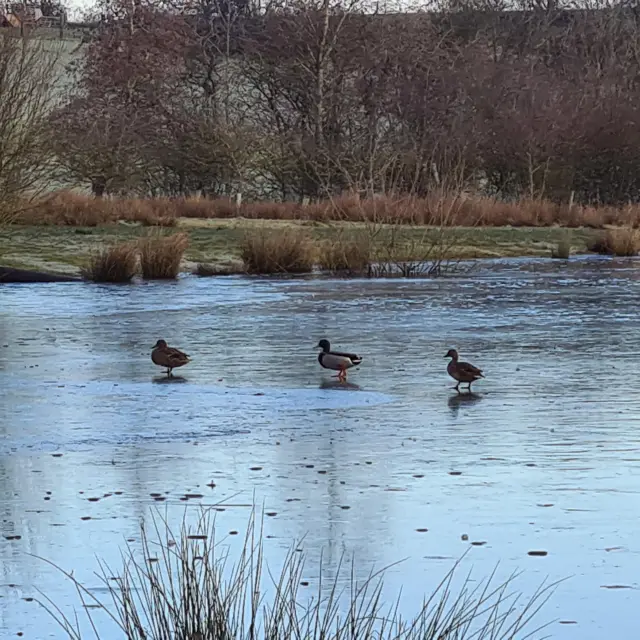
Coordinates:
column 336, row 360
column 169, row 357
column 462, row 371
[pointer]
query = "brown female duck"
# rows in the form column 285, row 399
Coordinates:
column 462, row 372
column 169, row 357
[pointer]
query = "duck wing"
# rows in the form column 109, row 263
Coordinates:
column 468, row 369
column 356, row 359
column 175, row 355
column 338, row 361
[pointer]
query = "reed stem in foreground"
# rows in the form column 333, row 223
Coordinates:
column 185, row 587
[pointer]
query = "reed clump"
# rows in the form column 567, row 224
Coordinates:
column 345, row 256
column 182, row 585
column 160, row 256
column 115, row 264
column 619, row 241
column 266, row 251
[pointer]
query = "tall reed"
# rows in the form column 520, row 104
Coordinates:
column 75, row 209
column 117, row 263
column 619, row 241
column 184, row 586
column 267, row 251
column 160, row 256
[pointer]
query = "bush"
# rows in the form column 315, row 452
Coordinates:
column 267, row 251
column 118, row 263
column 160, row 256
column 621, row 241
column 345, row 256
column 182, row 587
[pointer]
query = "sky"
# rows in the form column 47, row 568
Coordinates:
column 77, row 8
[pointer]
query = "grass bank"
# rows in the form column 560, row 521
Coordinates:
column 67, row 249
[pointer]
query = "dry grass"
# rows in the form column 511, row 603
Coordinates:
column 118, row 263
column 183, row 585
column 351, row 256
column 160, row 256
column 621, row 241
column 268, row 251
column 562, row 251
column 66, row 208
column 439, row 209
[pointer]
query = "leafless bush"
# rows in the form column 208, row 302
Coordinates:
column 30, row 70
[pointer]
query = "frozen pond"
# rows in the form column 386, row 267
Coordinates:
column 545, row 457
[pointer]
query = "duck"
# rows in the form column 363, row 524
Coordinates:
column 165, row 356
column 336, row 360
column 462, row 372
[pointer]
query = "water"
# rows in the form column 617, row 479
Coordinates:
column 545, row 456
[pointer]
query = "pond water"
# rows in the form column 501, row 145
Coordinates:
column 545, row 455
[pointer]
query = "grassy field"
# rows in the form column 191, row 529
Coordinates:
column 66, row 249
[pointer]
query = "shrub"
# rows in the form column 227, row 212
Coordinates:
column 345, row 256
column 160, row 256
column 182, row 587
column 267, row 251
column 118, row 263
column 621, row 241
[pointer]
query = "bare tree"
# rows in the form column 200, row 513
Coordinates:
column 99, row 144
column 303, row 99
column 30, row 73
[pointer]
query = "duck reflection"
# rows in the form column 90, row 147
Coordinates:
column 463, row 399
column 168, row 380
column 337, row 384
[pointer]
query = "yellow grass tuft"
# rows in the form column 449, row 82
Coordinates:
column 117, row 263
column 621, row 241
column 268, row 251
column 160, row 256
column 345, row 256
